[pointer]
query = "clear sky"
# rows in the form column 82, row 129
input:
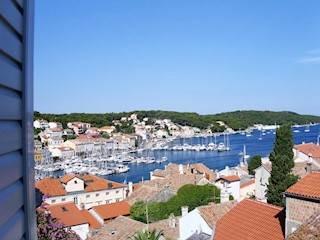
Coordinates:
column 204, row 56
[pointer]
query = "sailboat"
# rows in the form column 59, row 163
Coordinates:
column 245, row 155
column 260, row 138
column 307, row 129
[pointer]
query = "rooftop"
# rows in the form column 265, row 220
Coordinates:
column 231, row 178
column 54, row 186
column 308, row 186
column 213, row 212
column 93, row 223
column 309, row 148
column 251, row 219
column 113, row 210
column 67, row 213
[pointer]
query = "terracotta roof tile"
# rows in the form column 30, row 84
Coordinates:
column 168, row 232
column 54, row 186
column 67, row 213
column 251, row 220
column 120, row 228
column 213, row 212
column 309, row 148
column 113, row 210
column 93, row 223
column 308, row 186
column 144, row 193
column 231, row 178
column 308, row 230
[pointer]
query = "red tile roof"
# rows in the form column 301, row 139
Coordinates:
column 251, row 219
column 231, row 178
column 67, row 213
column 308, row 186
column 54, row 186
column 113, row 210
column 93, row 223
column 309, row 148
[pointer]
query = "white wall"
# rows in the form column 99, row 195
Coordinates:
column 191, row 223
column 261, row 181
column 247, row 191
column 96, row 216
column 82, row 230
column 233, row 188
column 74, row 185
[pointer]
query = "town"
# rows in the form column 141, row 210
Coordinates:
column 105, row 209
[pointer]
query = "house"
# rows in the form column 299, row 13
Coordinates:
column 307, row 152
column 251, row 219
column 71, row 217
column 67, row 132
column 39, row 156
column 40, row 123
column 302, row 201
column 55, row 125
column 54, row 142
column 78, row 127
column 53, row 132
column 247, row 189
column 37, row 145
column 63, row 152
column 85, row 191
column 231, row 183
column 202, row 219
column 80, row 146
column 107, row 129
column 162, row 133
column 262, row 175
column 106, row 212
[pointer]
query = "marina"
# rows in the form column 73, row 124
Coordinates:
column 216, row 152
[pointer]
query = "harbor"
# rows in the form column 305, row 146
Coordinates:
column 216, row 152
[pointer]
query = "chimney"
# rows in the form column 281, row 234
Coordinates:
column 172, row 221
column 130, row 186
column 184, row 210
column 224, row 195
column 227, row 171
column 217, row 174
column 308, row 168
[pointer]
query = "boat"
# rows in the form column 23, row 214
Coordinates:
column 221, row 147
column 307, row 129
column 260, row 138
column 245, row 156
column 120, row 168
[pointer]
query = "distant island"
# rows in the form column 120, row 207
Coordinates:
column 237, row 120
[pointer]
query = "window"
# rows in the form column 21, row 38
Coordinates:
column 53, row 201
column 75, row 200
column 63, row 199
column 97, row 195
column 75, row 181
column 87, row 196
column 117, row 192
column 118, row 199
column 99, row 202
column 107, row 193
column 108, row 201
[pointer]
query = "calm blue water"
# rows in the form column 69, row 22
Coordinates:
column 213, row 159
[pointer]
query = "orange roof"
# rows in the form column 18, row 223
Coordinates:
column 247, row 183
column 93, row 223
column 113, row 210
column 67, row 213
column 51, row 186
column 251, row 219
column 231, row 178
column 56, row 129
column 54, row 186
column 307, row 186
column 309, row 148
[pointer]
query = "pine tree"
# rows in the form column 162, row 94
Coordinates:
column 282, row 164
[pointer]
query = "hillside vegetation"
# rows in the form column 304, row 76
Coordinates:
column 236, row 120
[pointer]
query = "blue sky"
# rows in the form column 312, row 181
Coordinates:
column 207, row 56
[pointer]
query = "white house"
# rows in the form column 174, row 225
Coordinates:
column 63, row 152
column 262, row 175
column 202, row 220
column 53, row 132
column 55, row 125
column 306, row 152
column 71, row 217
column 40, row 123
column 54, row 142
column 231, row 183
column 85, row 191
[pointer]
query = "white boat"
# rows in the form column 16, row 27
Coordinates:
column 221, row 147
column 296, row 131
column 307, row 129
column 245, row 155
column 120, row 168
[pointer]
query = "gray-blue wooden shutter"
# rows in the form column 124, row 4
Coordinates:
column 17, row 197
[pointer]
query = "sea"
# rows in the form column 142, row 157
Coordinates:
column 213, row 159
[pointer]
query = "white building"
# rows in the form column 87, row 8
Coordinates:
column 40, row 123
column 85, row 191
column 262, row 175
column 202, row 220
column 231, row 183
column 63, row 152
column 55, row 125
column 54, row 142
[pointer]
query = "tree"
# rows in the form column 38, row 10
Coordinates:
column 254, row 163
column 147, row 235
column 282, row 164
